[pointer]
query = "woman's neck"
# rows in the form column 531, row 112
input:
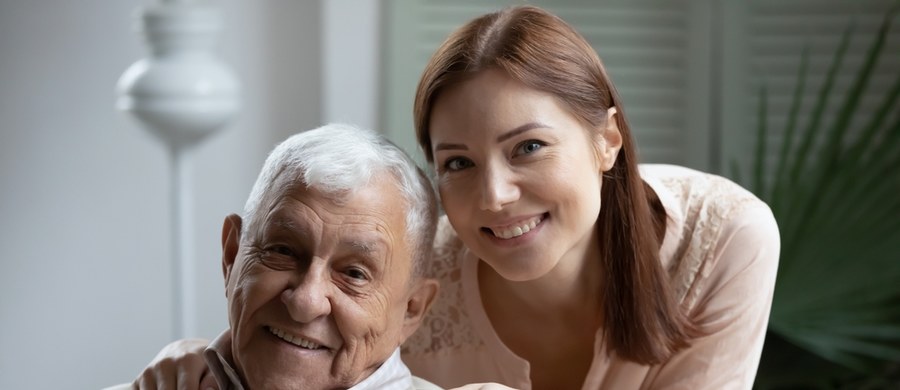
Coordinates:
column 551, row 322
column 571, row 288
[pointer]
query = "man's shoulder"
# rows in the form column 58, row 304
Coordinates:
column 124, row 386
column 421, row 384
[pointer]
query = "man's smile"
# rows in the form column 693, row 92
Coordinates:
column 295, row 339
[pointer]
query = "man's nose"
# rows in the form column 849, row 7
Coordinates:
column 499, row 188
column 310, row 297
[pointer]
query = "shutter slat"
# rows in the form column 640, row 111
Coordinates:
column 778, row 32
column 642, row 43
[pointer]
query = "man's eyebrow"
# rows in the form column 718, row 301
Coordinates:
column 365, row 247
column 285, row 223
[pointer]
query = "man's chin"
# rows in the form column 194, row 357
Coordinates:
column 296, row 379
column 289, row 369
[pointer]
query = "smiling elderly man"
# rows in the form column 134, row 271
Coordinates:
column 322, row 275
column 323, row 272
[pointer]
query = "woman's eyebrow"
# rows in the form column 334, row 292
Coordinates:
column 519, row 130
column 446, row 146
column 502, row 137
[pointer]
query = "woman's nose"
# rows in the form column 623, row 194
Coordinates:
column 499, row 188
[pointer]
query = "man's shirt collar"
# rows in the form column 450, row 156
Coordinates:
column 392, row 375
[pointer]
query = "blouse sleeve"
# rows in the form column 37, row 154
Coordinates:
column 732, row 312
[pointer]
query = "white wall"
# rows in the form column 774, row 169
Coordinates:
column 84, row 240
column 351, row 43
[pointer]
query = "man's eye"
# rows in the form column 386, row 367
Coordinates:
column 282, row 250
column 458, row 164
column 529, row 147
column 278, row 257
column 357, row 274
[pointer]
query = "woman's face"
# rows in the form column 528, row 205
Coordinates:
column 519, row 176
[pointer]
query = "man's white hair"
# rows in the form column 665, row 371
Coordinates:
column 336, row 159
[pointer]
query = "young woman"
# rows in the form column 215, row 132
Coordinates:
column 563, row 265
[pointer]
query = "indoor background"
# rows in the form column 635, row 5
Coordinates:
column 86, row 282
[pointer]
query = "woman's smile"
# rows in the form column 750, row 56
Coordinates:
column 517, row 229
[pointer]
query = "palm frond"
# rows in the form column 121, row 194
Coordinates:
column 788, row 140
column 761, row 135
column 836, row 197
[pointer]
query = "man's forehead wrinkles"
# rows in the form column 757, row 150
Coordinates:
column 364, row 237
column 365, row 234
column 289, row 211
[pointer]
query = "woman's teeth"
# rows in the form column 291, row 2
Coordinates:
column 298, row 341
column 513, row 231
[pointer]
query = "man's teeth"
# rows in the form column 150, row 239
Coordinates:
column 298, row 341
column 512, row 231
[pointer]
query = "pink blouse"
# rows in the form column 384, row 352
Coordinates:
column 721, row 250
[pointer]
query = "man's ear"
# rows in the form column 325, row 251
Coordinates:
column 231, row 240
column 420, row 299
column 610, row 141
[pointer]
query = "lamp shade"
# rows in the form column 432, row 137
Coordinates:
column 182, row 92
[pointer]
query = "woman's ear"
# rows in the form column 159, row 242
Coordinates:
column 610, row 141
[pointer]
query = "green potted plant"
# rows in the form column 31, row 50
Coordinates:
column 835, row 192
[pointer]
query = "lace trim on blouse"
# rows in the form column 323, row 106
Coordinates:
column 707, row 202
column 447, row 324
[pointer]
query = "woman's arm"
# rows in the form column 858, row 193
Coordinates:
column 178, row 366
column 732, row 311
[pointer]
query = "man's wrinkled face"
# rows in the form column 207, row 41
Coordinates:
column 318, row 291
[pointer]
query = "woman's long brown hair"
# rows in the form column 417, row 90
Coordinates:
column 642, row 319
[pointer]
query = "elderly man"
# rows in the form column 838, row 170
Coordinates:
column 322, row 272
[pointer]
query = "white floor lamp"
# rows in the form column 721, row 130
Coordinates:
column 181, row 93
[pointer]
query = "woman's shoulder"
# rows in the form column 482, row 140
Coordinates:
column 696, row 197
column 706, row 213
column 447, row 324
column 446, row 253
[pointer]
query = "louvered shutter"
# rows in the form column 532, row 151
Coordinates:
column 768, row 37
column 644, row 45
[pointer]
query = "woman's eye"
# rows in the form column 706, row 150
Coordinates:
column 529, row 147
column 457, row 164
